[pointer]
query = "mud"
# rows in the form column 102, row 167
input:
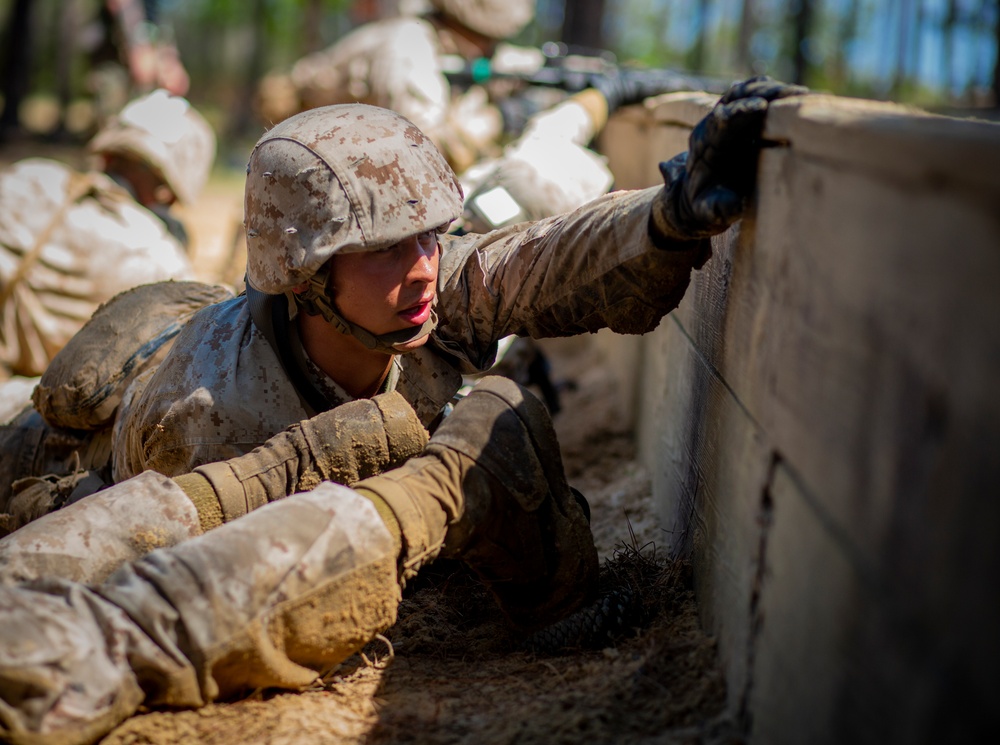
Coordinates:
column 449, row 672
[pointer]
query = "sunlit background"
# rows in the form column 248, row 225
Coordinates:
column 938, row 54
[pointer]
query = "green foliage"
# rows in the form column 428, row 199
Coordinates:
column 851, row 45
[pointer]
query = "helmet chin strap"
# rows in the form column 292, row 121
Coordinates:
column 315, row 302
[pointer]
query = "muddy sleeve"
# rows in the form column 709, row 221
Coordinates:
column 590, row 269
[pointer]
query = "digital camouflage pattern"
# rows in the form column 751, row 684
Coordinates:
column 498, row 19
column 171, row 629
column 593, row 268
column 340, row 179
column 400, row 64
column 293, row 587
column 70, row 241
column 86, row 541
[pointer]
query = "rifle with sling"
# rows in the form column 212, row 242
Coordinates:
column 572, row 70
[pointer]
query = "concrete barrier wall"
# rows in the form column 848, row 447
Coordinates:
column 822, row 421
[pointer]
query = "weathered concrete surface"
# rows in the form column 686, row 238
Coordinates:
column 822, row 422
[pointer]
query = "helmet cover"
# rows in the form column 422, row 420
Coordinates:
column 497, row 19
column 166, row 133
column 340, row 179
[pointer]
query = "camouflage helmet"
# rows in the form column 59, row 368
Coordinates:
column 339, row 179
column 166, row 133
column 498, row 19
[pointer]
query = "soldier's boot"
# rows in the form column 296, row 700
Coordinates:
column 490, row 489
column 87, row 540
column 271, row 600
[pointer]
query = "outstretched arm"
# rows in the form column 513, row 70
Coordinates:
column 622, row 261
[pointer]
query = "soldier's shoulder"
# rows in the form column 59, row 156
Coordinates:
column 36, row 173
column 49, row 180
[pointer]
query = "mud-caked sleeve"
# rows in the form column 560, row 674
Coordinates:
column 580, row 272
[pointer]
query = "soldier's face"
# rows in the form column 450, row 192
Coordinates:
column 388, row 290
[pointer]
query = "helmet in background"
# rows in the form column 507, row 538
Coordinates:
column 166, row 133
column 498, row 19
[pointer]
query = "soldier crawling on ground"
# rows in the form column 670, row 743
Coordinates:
column 518, row 155
column 71, row 240
column 321, row 382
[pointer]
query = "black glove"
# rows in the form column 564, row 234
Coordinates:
column 708, row 188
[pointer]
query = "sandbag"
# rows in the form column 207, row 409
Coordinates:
column 84, row 384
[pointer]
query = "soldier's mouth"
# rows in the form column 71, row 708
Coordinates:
column 419, row 313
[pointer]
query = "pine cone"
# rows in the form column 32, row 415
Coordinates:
column 593, row 627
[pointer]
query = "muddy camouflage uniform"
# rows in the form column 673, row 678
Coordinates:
column 542, row 280
column 320, row 572
column 71, row 240
column 400, row 64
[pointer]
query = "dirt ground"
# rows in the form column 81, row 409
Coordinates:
column 449, row 671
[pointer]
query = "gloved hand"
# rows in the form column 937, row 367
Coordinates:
column 708, row 188
column 346, row 444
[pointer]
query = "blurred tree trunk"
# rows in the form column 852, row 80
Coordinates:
column 312, row 22
column 948, row 44
column 15, row 65
column 996, row 62
column 244, row 118
column 916, row 39
column 67, row 28
column 583, row 23
column 697, row 60
column 744, row 63
column 846, row 33
column 801, row 27
column 899, row 77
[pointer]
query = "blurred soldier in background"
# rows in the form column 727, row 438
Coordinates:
column 451, row 71
column 130, row 53
column 71, row 240
column 399, row 63
column 435, row 69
